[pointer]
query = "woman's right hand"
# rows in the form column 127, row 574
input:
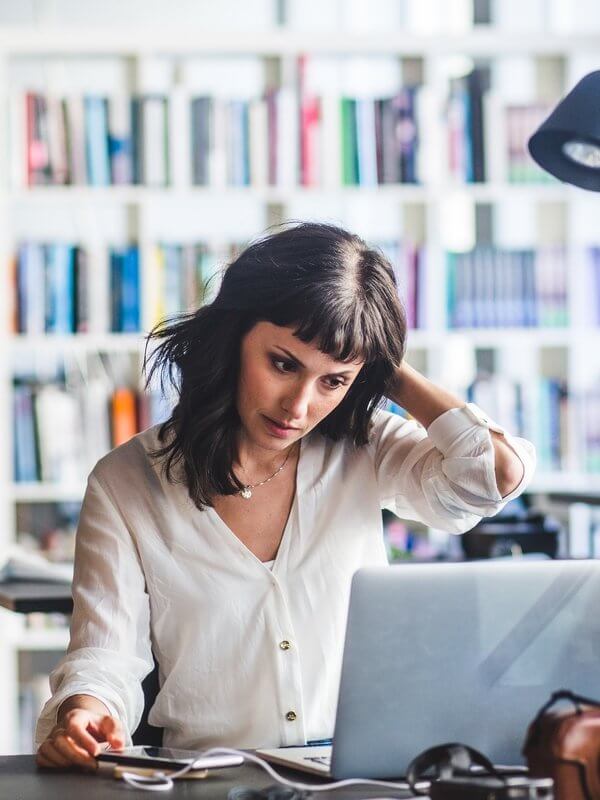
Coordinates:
column 77, row 737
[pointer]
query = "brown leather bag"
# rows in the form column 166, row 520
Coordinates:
column 565, row 745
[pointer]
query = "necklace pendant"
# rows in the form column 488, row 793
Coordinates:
column 246, row 493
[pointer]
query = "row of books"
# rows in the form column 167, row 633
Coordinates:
column 53, row 294
column 94, row 140
column 493, row 287
column 289, row 136
column 281, row 138
column 52, row 288
column 186, row 275
column 60, row 432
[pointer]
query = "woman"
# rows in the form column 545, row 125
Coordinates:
column 224, row 541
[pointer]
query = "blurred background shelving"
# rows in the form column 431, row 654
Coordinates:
column 141, row 147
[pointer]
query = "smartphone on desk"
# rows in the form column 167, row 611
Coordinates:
column 165, row 757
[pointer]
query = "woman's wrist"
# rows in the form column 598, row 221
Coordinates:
column 86, row 701
column 424, row 400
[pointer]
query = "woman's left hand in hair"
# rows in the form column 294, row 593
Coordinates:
column 426, row 402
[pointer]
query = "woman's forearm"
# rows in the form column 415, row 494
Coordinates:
column 419, row 396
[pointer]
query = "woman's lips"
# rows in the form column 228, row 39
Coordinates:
column 276, row 428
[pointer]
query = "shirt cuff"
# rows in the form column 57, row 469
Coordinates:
column 450, row 426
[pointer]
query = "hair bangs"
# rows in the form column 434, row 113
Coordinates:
column 348, row 333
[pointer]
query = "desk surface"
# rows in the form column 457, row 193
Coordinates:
column 25, row 597
column 21, row 780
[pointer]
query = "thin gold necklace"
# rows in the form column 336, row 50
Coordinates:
column 246, row 492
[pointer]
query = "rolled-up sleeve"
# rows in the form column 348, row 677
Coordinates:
column 109, row 652
column 444, row 476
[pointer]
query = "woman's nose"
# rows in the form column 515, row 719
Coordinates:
column 296, row 402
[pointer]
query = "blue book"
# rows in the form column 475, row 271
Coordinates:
column 451, row 290
column 116, row 284
column 529, row 289
column 60, row 288
column 31, row 288
column 130, row 291
column 173, row 284
column 96, row 141
column 25, row 457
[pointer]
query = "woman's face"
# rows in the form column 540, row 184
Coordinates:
column 286, row 386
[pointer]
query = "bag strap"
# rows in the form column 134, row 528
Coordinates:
column 562, row 694
column 446, row 759
column 566, row 694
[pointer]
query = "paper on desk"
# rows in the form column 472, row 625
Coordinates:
column 16, row 563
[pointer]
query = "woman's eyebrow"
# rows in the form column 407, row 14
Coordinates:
column 345, row 373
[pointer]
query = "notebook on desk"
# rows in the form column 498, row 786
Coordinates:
column 463, row 652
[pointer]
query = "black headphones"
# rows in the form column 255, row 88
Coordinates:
column 446, row 759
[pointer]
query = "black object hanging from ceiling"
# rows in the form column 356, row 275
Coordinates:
column 567, row 143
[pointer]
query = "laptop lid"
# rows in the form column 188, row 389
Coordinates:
column 467, row 652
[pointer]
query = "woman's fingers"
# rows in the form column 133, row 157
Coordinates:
column 42, row 761
column 77, row 729
column 112, row 731
column 49, row 752
column 69, row 749
column 79, row 738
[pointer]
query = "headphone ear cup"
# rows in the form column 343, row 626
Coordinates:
column 445, row 759
column 438, row 758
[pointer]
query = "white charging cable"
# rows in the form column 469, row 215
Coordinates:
column 161, row 782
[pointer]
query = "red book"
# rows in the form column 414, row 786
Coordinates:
column 310, row 115
column 124, row 417
column 38, row 157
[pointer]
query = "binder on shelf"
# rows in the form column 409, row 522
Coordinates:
column 120, row 140
column 154, row 141
column 60, row 289
column 125, row 289
column 25, row 440
column 96, row 141
column 75, row 139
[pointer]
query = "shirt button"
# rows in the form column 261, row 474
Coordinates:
column 285, row 645
column 290, row 716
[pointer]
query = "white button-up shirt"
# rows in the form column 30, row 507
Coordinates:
column 251, row 656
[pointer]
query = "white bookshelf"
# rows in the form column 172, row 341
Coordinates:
column 149, row 214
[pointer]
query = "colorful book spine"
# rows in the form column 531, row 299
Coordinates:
column 124, row 416
column 96, row 141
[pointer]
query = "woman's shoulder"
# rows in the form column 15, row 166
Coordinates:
column 385, row 425
column 130, row 459
column 385, row 422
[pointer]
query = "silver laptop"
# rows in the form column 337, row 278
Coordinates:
column 468, row 652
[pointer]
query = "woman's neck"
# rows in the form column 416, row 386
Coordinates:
column 254, row 463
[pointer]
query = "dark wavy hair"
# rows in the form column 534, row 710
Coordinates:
column 319, row 279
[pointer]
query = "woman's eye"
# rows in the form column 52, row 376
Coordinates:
column 282, row 365
column 335, row 383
